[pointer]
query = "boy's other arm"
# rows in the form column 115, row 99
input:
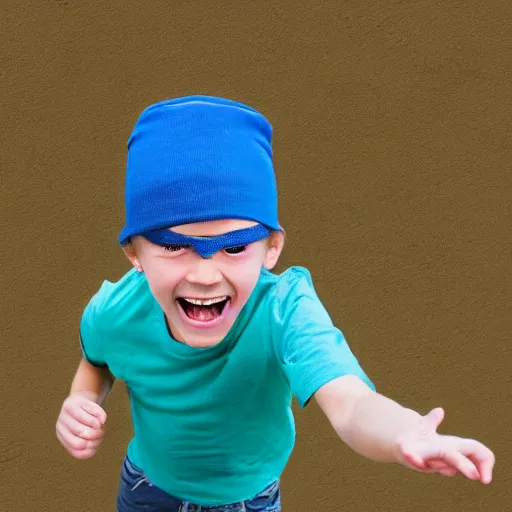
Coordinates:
column 80, row 425
column 92, row 382
column 382, row 430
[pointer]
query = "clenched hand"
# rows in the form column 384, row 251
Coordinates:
column 80, row 426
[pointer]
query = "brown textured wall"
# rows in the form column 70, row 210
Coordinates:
column 392, row 141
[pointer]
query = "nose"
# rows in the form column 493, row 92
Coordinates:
column 205, row 272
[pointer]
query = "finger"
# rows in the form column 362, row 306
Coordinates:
column 448, row 471
column 485, row 469
column 73, row 442
column 87, row 418
column 414, row 460
column 92, row 434
column 59, row 437
column 77, row 447
column 76, row 441
column 83, row 454
column 62, row 437
column 481, row 456
column 79, row 429
column 77, row 411
column 78, row 453
column 458, row 461
column 436, row 464
column 94, row 443
column 70, row 440
column 434, row 418
column 96, row 411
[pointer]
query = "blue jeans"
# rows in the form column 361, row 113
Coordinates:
column 138, row 494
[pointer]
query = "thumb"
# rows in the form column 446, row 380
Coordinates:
column 433, row 419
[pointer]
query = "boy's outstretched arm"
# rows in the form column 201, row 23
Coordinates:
column 383, row 430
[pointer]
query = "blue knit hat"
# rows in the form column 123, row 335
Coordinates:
column 195, row 159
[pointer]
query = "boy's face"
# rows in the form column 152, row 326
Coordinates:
column 202, row 298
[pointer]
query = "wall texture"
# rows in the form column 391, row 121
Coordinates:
column 393, row 150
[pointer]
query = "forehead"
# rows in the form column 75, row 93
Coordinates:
column 213, row 227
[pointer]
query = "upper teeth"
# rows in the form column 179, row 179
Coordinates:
column 206, row 302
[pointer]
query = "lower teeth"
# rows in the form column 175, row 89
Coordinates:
column 203, row 313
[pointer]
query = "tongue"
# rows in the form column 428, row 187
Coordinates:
column 202, row 314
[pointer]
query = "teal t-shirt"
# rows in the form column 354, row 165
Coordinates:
column 214, row 425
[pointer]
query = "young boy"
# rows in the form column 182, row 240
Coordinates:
column 211, row 344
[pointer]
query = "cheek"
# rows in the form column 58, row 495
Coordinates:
column 244, row 276
column 162, row 278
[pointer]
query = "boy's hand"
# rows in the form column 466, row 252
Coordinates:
column 80, row 426
column 425, row 450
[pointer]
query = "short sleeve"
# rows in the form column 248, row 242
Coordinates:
column 312, row 350
column 90, row 337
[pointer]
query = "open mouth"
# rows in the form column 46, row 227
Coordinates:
column 203, row 310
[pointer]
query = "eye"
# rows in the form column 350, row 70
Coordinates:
column 235, row 250
column 174, row 247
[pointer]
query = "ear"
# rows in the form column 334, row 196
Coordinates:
column 131, row 254
column 274, row 249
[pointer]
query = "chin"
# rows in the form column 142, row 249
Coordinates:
column 198, row 337
column 202, row 343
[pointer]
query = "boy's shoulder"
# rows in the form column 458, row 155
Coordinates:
column 115, row 302
column 291, row 278
column 289, row 286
